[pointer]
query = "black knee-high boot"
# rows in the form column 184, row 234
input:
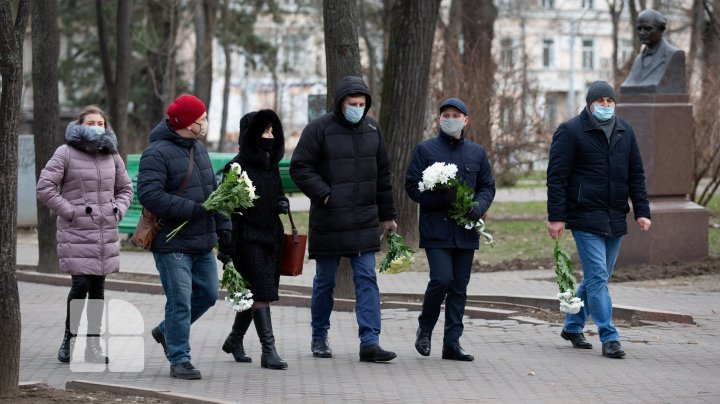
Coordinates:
column 263, row 325
column 234, row 342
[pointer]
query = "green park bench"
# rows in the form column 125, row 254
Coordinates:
column 127, row 225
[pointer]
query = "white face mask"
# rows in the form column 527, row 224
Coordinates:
column 452, row 126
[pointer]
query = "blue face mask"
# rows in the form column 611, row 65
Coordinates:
column 603, row 114
column 354, row 114
column 98, row 130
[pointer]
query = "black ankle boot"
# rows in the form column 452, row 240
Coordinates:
column 93, row 350
column 66, row 347
column 234, row 342
column 263, row 325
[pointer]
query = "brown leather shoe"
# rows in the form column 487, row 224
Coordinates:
column 577, row 338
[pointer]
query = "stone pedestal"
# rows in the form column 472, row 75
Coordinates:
column 663, row 127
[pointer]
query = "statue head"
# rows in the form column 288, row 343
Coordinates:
column 650, row 27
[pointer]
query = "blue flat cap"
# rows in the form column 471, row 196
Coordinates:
column 454, row 102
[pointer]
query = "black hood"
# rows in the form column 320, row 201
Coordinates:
column 252, row 126
column 86, row 139
column 348, row 86
column 163, row 131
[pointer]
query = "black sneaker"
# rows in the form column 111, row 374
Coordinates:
column 373, row 353
column 612, row 349
column 185, row 370
column 159, row 338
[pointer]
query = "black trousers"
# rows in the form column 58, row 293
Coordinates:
column 449, row 276
column 86, row 286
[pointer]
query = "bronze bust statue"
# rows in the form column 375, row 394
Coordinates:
column 660, row 67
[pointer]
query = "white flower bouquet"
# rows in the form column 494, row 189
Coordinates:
column 399, row 256
column 442, row 176
column 239, row 297
column 569, row 302
column 236, row 191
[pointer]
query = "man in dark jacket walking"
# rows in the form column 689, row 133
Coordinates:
column 449, row 247
column 187, row 266
column 342, row 165
column 595, row 165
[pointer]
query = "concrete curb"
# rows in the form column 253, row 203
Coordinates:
column 299, row 296
column 125, row 390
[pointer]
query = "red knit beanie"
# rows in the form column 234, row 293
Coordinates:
column 185, row 110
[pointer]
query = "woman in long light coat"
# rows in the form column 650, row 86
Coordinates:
column 86, row 185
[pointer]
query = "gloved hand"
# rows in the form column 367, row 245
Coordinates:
column 449, row 195
column 283, row 207
column 474, row 214
column 225, row 242
column 198, row 211
column 224, row 258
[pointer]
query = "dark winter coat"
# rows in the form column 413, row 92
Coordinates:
column 589, row 180
column 258, row 231
column 349, row 163
column 163, row 167
column 437, row 230
column 86, row 185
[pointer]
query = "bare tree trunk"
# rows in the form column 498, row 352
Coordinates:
column 452, row 79
column 479, row 67
column 707, row 115
column 163, row 18
column 46, row 51
column 226, row 96
column 11, row 70
column 205, row 24
column 615, row 7
column 405, row 92
column 372, row 58
column 342, row 52
column 117, row 82
column 342, row 55
column 696, row 32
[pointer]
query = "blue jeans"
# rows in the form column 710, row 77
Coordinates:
column 367, row 296
column 449, row 276
column 597, row 255
column 191, row 287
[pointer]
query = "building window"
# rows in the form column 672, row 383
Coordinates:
column 294, row 48
column 549, row 4
column 588, row 4
column 551, row 111
column 626, row 51
column 588, row 54
column 548, row 56
column 507, row 53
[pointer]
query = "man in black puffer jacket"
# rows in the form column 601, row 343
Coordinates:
column 594, row 166
column 342, row 165
column 187, row 266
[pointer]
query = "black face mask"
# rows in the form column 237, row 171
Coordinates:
column 266, row 144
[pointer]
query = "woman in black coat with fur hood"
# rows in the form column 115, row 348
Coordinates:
column 258, row 232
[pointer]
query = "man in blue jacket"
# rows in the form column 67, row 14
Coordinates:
column 449, row 247
column 595, row 165
column 187, row 266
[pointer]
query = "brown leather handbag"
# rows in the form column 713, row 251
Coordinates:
column 293, row 251
column 149, row 225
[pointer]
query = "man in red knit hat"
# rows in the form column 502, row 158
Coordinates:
column 174, row 179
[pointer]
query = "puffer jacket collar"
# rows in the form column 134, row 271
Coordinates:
column 163, row 131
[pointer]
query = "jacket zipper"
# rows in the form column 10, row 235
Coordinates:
column 100, row 217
